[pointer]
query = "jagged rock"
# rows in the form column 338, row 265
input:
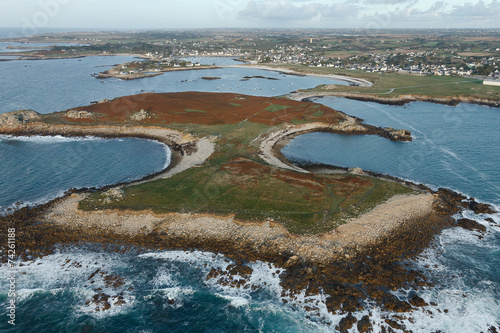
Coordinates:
column 16, row 118
column 347, row 322
column 356, row 171
column 493, row 329
column 115, row 193
column 291, row 261
column 398, row 135
column 349, row 125
column 364, row 325
column 480, row 208
column 394, row 324
column 80, row 114
column 470, row 225
column 489, row 219
column 141, row 115
column 417, row 301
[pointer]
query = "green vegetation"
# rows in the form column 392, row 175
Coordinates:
column 235, row 180
column 394, row 85
column 276, row 107
column 251, row 191
column 191, row 110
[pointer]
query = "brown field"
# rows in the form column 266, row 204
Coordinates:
column 210, row 109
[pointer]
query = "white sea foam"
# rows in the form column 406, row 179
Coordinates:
column 235, row 301
column 198, row 258
column 39, row 139
column 168, row 156
column 71, row 272
column 5, row 210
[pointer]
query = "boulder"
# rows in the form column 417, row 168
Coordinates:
column 346, row 323
column 140, row 116
column 398, row 135
column 364, row 325
column 80, row 114
column 471, row 225
column 17, row 118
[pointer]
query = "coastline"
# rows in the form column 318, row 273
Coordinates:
column 350, row 80
column 397, row 228
column 115, row 73
column 400, row 100
column 186, row 150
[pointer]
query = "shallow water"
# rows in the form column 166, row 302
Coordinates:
column 37, row 169
column 453, row 147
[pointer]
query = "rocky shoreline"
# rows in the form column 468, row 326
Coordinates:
column 117, row 74
column 359, row 260
column 348, row 272
column 400, row 100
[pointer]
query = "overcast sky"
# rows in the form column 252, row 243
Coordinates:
column 165, row 14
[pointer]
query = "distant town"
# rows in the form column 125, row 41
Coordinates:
column 414, row 52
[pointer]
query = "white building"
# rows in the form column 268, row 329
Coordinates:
column 491, row 82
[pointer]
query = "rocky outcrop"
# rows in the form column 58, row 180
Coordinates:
column 141, row 115
column 17, row 118
column 80, row 114
column 405, row 99
column 398, row 135
column 470, row 224
column 349, row 125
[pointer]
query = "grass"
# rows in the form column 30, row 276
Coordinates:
column 235, row 180
column 192, row 110
column 394, row 85
column 305, row 206
column 276, row 107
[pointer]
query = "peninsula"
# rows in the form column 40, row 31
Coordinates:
column 229, row 190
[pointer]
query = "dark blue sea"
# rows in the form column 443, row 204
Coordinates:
column 455, row 147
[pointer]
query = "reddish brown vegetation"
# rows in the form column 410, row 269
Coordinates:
column 210, row 109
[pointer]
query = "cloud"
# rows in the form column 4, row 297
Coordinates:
column 285, row 10
column 281, row 10
column 409, row 16
column 385, row 2
column 439, row 15
column 480, row 9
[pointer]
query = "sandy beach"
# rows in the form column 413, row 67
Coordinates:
column 359, row 82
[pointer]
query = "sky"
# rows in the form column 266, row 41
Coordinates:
column 34, row 15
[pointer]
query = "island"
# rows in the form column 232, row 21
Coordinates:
column 150, row 68
column 229, row 190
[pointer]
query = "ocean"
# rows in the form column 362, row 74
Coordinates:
column 171, row 291
column 38, row 169
column 453, row 147
column 56, row 85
